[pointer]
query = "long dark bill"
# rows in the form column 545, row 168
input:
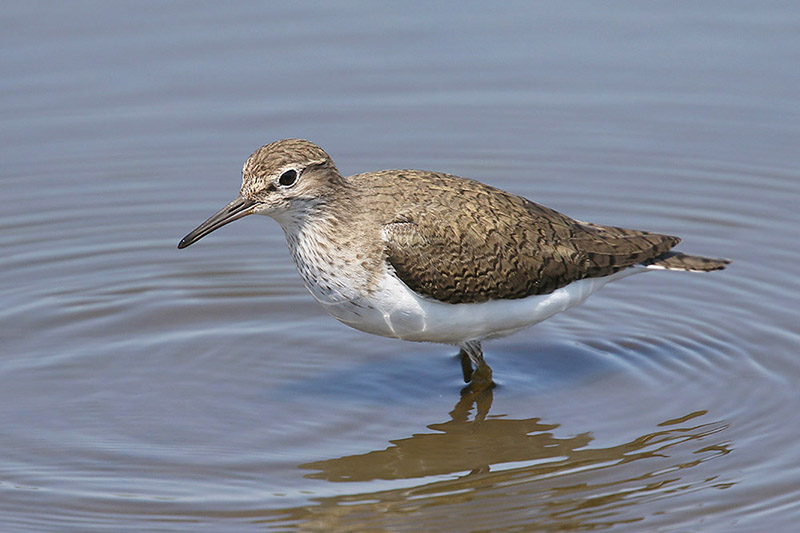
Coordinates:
column 237, row 209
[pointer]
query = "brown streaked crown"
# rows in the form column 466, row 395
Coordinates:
column 272, row 159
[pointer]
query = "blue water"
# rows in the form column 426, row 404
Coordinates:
column 146, row 388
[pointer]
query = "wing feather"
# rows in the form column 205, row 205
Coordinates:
column 509, row 248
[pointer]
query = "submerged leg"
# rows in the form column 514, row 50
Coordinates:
column 481, row 377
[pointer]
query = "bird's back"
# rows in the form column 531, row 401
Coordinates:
column 460, row 241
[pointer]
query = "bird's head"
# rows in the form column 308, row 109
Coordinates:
column 286, row 179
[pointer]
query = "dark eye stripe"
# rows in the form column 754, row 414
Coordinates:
column 288, row 177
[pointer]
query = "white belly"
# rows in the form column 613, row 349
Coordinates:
column 345, row 290
column 396, row 311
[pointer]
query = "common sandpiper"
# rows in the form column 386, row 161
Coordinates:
column 428, row 256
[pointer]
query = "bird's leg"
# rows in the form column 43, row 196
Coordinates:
column 481, row 377
column 466, row 365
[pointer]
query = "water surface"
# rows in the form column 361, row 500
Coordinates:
column 146, row 388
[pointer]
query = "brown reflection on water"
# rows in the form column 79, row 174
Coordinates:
column 522, row 472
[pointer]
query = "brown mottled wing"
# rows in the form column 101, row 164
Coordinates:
column 467, row 242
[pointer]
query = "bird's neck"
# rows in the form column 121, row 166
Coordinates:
column 318, row 223
column 326, row 248
column 311, row 235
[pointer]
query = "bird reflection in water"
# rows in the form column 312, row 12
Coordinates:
column 518, row 464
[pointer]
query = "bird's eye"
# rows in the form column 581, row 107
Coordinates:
column 288, row 178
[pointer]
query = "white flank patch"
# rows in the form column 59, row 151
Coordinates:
column 398, row 312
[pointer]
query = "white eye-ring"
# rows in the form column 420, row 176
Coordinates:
column 288, row 178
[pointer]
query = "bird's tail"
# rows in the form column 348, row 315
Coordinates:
column 685, row 262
